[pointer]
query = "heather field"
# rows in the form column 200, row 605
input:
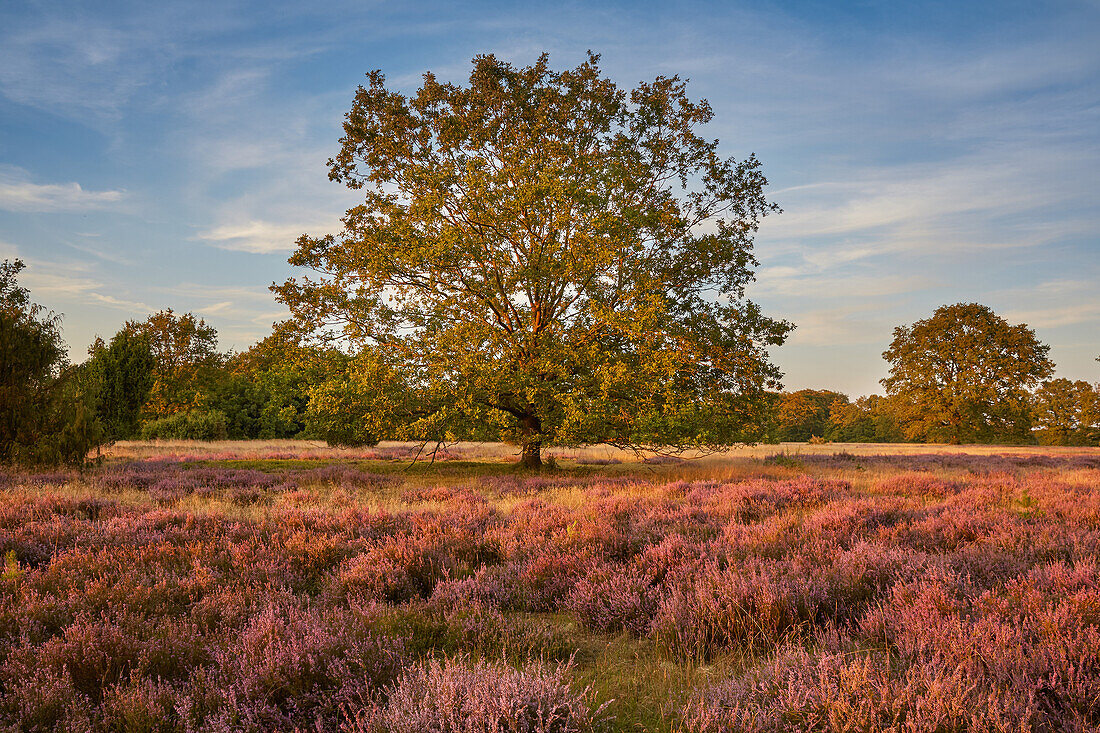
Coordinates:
column 290, row 586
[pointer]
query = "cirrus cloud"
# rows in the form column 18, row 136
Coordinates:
column 262, row 237
column 19, row 193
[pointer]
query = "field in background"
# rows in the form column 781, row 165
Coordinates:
column 286, row 585
column 503, row 452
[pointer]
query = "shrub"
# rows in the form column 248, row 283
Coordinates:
column 291, row 670
column 783, row 459
column 615, row 599
column 191, row 425
column 463, row 696
column 854, row 691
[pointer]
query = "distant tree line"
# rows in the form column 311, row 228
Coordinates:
column 1061, row 412
column 962, row 376
column 162, row 377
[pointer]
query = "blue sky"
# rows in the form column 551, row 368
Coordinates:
column 169, row 154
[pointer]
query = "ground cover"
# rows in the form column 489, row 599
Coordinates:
column 294, row 586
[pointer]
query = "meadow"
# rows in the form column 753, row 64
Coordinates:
column 286, row 586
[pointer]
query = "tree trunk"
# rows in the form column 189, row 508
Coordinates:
column 532, row 455
column 532, row 442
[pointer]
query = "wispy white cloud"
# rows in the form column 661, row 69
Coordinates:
column 19, row 193
column 258, row 293
column 100, row 250
column 863, row 323
column 129, row 306
column 976, row 201
column 67, row 285
column 275, row 160
column 263, row 237
column 959, row 73
column 1061, row 288
column 1056, row 303
column 810, row 283
column 216, row 308
column 1058, row 316
column 72, row 65
column 48, row 281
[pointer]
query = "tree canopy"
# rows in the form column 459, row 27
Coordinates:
column 184, row 350
column 45, row 414
column 122, row 373
column 962, row 375
column 1067, row 412
column 547, row 254
column 869, row 419
column 804, row 414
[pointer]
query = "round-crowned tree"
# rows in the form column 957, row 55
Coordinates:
column 962, row 376
column 544, row 254
column 1066, row 412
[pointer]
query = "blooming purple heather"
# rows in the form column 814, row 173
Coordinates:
column 872, row 593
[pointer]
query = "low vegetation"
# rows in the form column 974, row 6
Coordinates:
column 291, row 590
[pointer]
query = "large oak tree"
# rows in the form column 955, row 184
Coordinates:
column 548, row 253
column 962, row 376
